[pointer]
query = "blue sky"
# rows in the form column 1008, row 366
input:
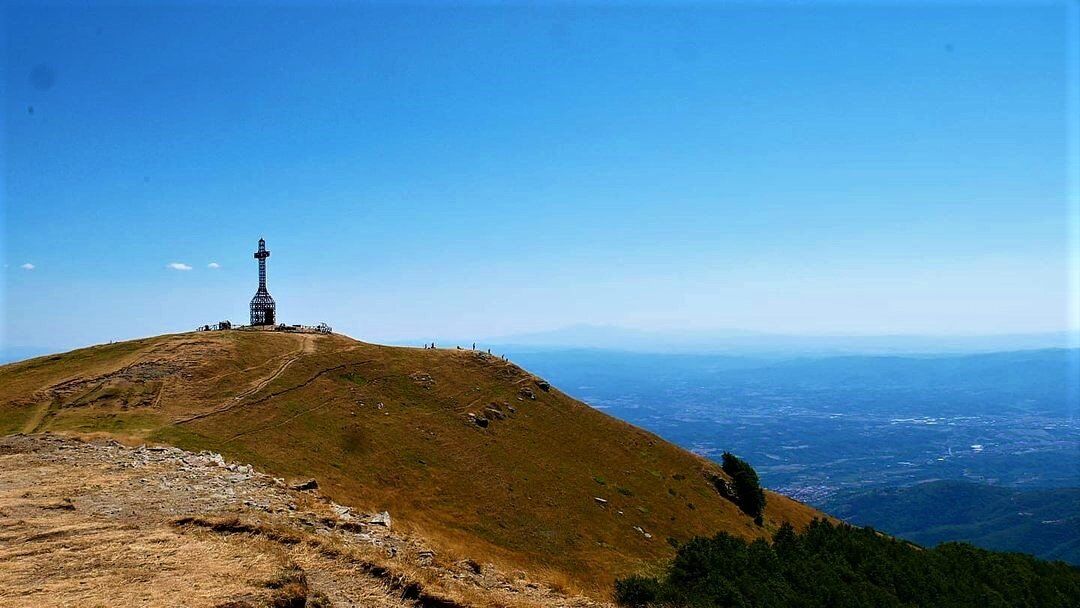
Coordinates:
column 468, row 170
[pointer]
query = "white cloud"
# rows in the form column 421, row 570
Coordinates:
column 179, row 266
column 28, row 266
column 213, row 265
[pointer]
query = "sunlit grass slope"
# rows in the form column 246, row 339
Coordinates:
column 470, row 451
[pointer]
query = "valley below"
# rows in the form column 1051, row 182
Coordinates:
column 830, row 431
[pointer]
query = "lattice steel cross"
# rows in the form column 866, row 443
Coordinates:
column 261, row 255
column 263, row 309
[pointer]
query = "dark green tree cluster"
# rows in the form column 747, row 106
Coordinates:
column 841, row 566
column 748, row 493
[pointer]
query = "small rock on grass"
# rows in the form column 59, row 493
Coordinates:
column 307, row 484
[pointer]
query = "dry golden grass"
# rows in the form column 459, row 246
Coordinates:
column 97, row 524
column 395, row 428
column 54, row 555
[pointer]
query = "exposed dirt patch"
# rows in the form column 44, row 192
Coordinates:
column 134, row 385
column 172, row 358
column 99, row 523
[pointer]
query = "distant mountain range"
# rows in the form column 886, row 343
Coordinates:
column 1019, row 380
column 715, row 341
column 740, row 342
column 1044, row 522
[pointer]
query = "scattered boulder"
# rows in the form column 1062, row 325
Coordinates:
column 471, row 566
column 528, row 393
column 352, row 526
column 380, row 519
column 543, row 384
column 242, row 469
column 307, row 484
column 493, row 412
column 257, row 504
column 600, row 501
column 424, row 380
column 724, row 487
column 214, row 458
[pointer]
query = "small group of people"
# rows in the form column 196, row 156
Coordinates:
column 431, row 346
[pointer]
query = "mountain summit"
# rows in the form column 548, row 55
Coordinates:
column 463, row 448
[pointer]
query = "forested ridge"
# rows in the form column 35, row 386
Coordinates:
column 840, row 566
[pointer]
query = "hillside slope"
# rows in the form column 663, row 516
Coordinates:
column 101, row 524
column 471, row 452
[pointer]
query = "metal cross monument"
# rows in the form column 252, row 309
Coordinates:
column 262, row 305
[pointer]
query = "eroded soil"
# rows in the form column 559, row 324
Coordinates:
column 102, row 524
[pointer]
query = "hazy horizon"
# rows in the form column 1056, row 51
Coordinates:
column 833, row 170
column 702, row 341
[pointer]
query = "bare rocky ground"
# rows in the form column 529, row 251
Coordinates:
column 102, row 524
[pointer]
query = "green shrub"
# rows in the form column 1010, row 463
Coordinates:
column 748, row 493
column 637, row 591
column 843, row 566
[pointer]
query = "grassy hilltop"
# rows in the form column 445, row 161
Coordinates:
column 474, row 453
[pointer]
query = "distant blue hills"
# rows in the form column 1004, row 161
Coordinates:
column 1044, row 522
column 740, row 342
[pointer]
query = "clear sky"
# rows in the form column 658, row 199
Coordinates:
column 433, row 170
